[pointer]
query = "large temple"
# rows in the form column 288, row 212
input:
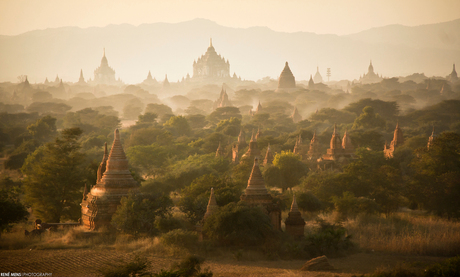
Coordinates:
column 104, row 74
column 114, row 181
column 211, row 65
column 370, row 77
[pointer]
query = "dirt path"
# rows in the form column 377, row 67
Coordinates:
column 86, row 262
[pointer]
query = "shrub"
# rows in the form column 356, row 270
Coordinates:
column 189, row 267
column 238, row 224
column 180, row 238
column 329, row 239
column 307, row 201
column 135, row 267
column 447, row 268
column 166, row 224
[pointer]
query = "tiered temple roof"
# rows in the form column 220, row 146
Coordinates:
column 222, row 101
column 104, row 74
column 253, row 151
column 211, row 65
column 370, row 77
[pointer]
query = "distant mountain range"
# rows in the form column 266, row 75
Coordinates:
column 253, row 53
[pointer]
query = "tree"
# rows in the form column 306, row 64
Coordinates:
column 138, row 211
column 224, row 113
column 436, row 180
column 369, row 119
column 307, row 201
column 179, row 125
column 291, row 168
column 11, row 209
column 230, row 126
column 54, row 177
column 147, row 118
column 48, row 107
column 159, row 109
column 240, row 225
column 333, row 116
column 388, row 110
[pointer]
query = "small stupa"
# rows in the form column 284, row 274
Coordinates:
column 256, row 195
column 253, row 150
column 296, row 117
column 212, row 205
column 295, row 224
column 219, row 151
column 268, row 156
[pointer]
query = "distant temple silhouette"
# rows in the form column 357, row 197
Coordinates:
column 104, row 74
column 211, row 65
column 370, row 77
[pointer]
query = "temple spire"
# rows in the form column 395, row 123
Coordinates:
column 210, row 42
column 256, row 183
column 212, row 205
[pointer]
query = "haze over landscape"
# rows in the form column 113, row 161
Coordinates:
column 199, row 138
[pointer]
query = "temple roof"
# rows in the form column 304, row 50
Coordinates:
column 256, row 183
column 287, row 79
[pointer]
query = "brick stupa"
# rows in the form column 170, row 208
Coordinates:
column 212, row 205
column 102, row 201
column 295, row 224
column 256, row 195
column 268, row 156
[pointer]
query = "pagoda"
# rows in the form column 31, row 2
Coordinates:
column 253, row 150
column 222, row 101
column 339, row 150
column 212, row 205
column 453, row 75
column 295, row 224
column 219, row 151
column 314, row 151
column 256, row 195
column 81, row 80
column 99, row 205
column 268, row 156
column 286, row 80
column 318, row 78
column 430, row 140
column 150, row 80
column 398, row 140
column 296, row 117
column 242, row 140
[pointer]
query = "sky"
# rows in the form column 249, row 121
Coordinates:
column 339, row 17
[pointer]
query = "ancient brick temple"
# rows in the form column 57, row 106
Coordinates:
column 295, row 224
column 242, row 140
column 296, row 117
column 268, row 156
column 114, row 181
column 256, row 195
column 398, row 140
column 314, row 152
column 212, row 205
column 340, row 150
column 286, row 80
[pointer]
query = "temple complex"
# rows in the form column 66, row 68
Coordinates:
column 453, row 75
column 211, row 65
column 256, row 195
column 398, row 140
column 268, row 156
column 149, row 80
column 296, row 117
column 99, row 205
column 370, row 77
column 253, row 150
column 104, row 74
column 339, row 150
column 286, row 80
column 318, row 78
column 295, row 224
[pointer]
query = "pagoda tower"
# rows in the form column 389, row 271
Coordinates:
column 235, row 158
column 453, row 75
column 81, row 80
column 256, row 195
column 318, row 78
column 286, row 79
column 211, row 65
column 259, row 133
column 253, row 151
column 116, row 182
column 296, row 117
column 268, row 156
column 398, row 140
column 222, row 101
column 212, row 205
column 314, row 150
column 311, row 83
column 295, row 224
column 346, row 144
column 298, row 149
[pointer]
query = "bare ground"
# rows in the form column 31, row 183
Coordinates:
column 86, row 262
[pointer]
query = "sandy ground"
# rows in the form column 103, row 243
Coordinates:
column 86, row 262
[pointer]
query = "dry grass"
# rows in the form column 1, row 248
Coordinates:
column 406, row 234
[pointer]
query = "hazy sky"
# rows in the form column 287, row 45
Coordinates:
column 319, row 16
